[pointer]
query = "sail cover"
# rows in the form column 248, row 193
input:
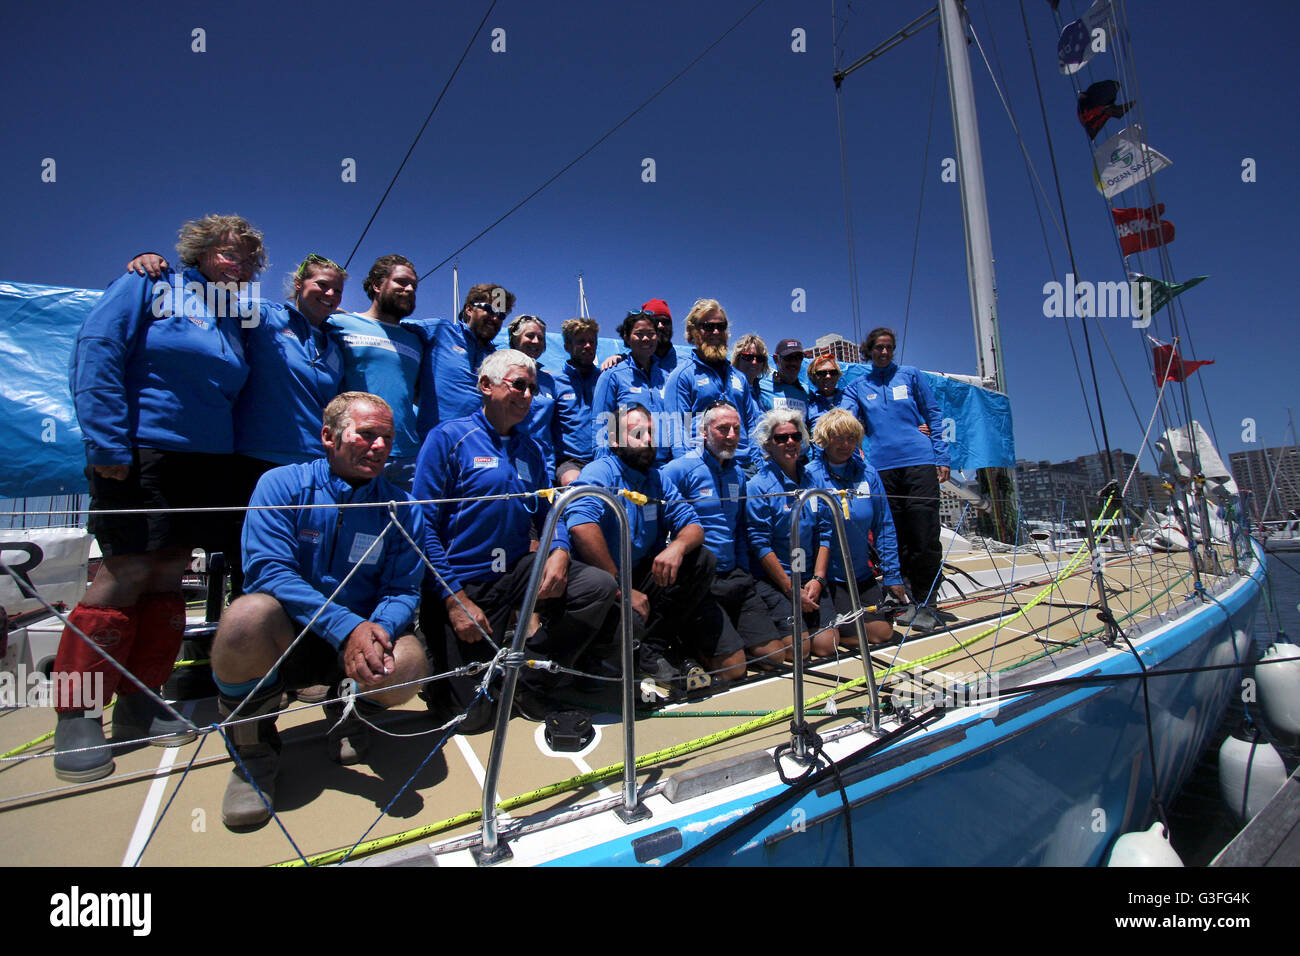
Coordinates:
column 1177, row 458
column 43, row 448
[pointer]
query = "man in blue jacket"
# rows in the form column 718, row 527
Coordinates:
column 668, row 579
column 707, row 377
column 575, row 390
column 904, row 426
column 297, row 559
column 732, row 624
column 482, row 545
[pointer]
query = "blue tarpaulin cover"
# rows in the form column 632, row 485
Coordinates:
column 42, row 444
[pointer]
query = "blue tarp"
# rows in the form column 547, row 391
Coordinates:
column 42, row 443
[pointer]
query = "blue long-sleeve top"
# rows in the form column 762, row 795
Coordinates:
column 713, row 490
column 773, row 393
column 696, row 384
column 575, row 389
column 770, row 495
column 475, row 540
column 819, row 405
column 383, row 359
column 626, row 384
column 155, row 369
column 452, row 355
column 892, row 402
column 294, row 369
column 650, row 524
column 540, row 422
column 868, row 514
column 299, row 556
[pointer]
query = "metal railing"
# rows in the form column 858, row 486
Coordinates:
column 799, row 743
column 493, row 850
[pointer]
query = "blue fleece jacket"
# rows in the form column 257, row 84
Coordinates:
column 383, row 359
column 650, row 524
column 693, row 387
column 714, row 490
column 448, row 370
column 777, row 394
column 294, row 369
column 300, row 556
column 770, row 495
column 891, row 403
column 474, row 540
column 625, row 384
column 150, row 371
column 575, row 389
column 867, row 514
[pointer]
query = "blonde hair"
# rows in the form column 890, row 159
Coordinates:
column 837, row 423
column 751, row 340
column 198, row 236
column 701, row 308
column 572, row 327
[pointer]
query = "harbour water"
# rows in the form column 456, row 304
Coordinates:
column 1200, row 823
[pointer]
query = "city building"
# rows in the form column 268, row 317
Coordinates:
column 835, row 345
column 1259, row 470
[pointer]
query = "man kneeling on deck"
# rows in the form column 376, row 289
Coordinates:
column 668, row 580
column 482, row 524
column 294, row 560
column 733, row 621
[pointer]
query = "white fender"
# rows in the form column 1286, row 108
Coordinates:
column 1144, row 848
column 1250, row 772
column 1279, row 688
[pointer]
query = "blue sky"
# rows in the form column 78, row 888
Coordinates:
column 746, row 205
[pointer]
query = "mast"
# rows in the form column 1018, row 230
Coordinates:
column 455, row 290
column 583, row 311
column 974, row 203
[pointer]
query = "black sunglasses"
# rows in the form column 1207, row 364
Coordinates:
column 522, row 385
column 486, row 307
column 785, row 438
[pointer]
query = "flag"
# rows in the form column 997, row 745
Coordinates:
column 1097, row 104
column 1074, row 49
column 1125, row 160
column 1170, row 367
column 1141, row 229
column 1160, row 293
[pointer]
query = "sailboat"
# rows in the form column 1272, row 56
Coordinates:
column 1062, row 703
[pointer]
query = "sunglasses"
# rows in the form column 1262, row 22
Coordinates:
column 522, row 385
column 785, row 438
column 713, row 326
column 749, row 357
column 825, row 373
column 487, row 307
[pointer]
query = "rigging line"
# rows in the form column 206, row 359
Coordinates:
column 855, row 309
column 610, row 132
column 1069, row 245
column 411, row 148
column 920, row 203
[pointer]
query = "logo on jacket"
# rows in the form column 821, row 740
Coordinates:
column 485, row 461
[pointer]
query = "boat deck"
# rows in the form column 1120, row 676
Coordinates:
column 1017, row 618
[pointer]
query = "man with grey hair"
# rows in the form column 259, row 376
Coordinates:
column 732, row 624
column 480, row 474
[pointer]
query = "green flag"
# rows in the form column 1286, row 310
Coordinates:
column 1158, row 292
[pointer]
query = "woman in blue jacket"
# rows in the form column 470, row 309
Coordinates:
column 155, row 375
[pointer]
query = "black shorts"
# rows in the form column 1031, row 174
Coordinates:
column 315, row 660
column 161, row 480
column 781, row 611
column 869, row 593
column 731, row 618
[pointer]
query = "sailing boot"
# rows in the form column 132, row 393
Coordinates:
column 78, row 666
column 75, row 731
column 348, row 743
column 138, row 714
column 257, row 746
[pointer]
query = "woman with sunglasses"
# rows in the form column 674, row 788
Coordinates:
column 770, row 494
column 155, row 374
column 528, row 335
column 824, row 373
column 838, row 468
column 638, row 381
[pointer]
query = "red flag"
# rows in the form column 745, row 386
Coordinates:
column 1142, row 228
column 1170, row 367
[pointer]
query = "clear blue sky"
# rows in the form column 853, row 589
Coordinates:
column 746, row 206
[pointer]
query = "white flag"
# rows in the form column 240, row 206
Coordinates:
column 1124, row 160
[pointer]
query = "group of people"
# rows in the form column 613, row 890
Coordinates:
column 306, row 421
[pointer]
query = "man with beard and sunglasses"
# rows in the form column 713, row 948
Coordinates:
column 480, row 474
column 706, row 378
column 382, row 356
column 453, row 351
column 668, row 580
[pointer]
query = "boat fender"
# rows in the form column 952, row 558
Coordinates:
column 1144, row 848
column 568, row 731
column 1250, row 772
column 1279, row 687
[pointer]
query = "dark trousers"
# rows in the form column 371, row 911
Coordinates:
column 670, row 607
column 569, row 624
column 914, row 502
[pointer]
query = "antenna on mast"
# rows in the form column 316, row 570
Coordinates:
column 455, row 289
column 583, row 311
